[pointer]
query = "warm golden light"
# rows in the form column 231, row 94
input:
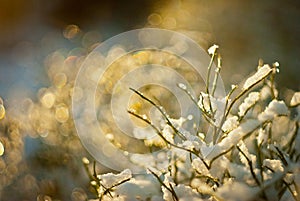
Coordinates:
column 2, row 111
column 48, row 99
column 62, row 113
column 71, row 31
column 1, row 149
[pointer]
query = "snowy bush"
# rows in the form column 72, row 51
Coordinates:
column 251, row 152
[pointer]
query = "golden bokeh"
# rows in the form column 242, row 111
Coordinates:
column 48, row 99
column 40, row 150
column 71, row 31
column 2, row 111
column 1, row 149
column 61, row 113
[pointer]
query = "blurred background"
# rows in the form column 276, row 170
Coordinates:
column 36, row 37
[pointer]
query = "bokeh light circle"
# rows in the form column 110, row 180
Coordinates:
column 88, row 113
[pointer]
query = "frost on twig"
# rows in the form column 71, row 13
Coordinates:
column 109, row 180
column 233, row 138
column 295, row 101
column 212, row 49
column 230, row 124
column 275, row 108
column 235, row 191
column 261, row 73
column 243, row 156
column 248, row 103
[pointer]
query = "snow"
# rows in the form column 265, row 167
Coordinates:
column 275, row 108
column 233, row 138
column 259, row 75
column 217, row 104
column 262, row 136
column 167, row 132
column 199, row 166
column 184, row 193
column 110, row 179
column 249, row 101
column 230, row 124
column 212, row 49
column 245, row 150
column 295, row 99
column 141, row 187
column 236, row 191
column 274, row 164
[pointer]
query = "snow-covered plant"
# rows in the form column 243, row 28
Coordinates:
column 251, row 152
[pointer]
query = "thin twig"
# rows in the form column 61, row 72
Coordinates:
column 91, row 177
column 216, row 135
column 171, row 189
column 160, row 109
column 289, row 145
column 250, row 166
column 281, row 156
column 247, row 110
column 272, row 80
column 206, row 115
column 244, row 92
column 107, row 190
column 207, row 79
column 219, row 155
column 217, row 74
column 259, row 159
column 210, row 178
column 165, row 140
column 297, row 189
column 285, row 183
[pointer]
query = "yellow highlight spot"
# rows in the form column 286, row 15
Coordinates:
column 137, row 106
column 169, row 23
column 1, row 149
column 154, row 19
column 2, row 111
column 85, row 161
column 71, row 31
column 173, row 61
column 142, row 57
column 61, row 114
column 60, row 80
column 48, row 100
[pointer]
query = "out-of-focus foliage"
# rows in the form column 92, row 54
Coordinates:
column 39, row 147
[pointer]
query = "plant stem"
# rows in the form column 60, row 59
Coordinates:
column 160, row 109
